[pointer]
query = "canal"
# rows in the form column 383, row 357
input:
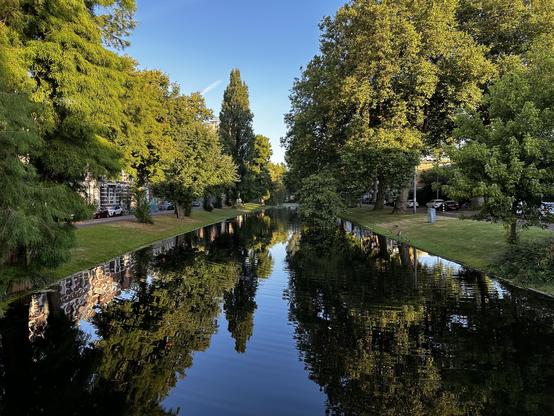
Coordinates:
column 246, row 318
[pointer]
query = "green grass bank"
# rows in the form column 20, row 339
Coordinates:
column 474, row 244
column 100, row 243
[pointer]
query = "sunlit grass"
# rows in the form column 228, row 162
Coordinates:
column 475, row 244
column 99, row 243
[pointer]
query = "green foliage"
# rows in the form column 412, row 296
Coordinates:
column 61, row 96
column 320, row 205
column 142, row 207
column 34, row 212
column 235, row 130
column 277, row 172
column 506, row 26
column 528, row 262
column 257, row 180
column 366, row 113
column 196, row 163
column 509, row 157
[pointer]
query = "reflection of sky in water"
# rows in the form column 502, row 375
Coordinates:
column 432, row 261
column 499, row 289
column 89, row 329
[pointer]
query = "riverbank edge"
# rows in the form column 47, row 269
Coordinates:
column 421, row 246
column 51, row 277
column 228, row 213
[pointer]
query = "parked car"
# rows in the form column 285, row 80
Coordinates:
column 196, row 204
column 435, row 203
column 451, row 205
column 411, row 203
column 115, row 210
column 102, row 213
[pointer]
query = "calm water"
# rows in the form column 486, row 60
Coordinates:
column 245, row 318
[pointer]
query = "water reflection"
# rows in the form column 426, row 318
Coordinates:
column 386, row 329
column 142, row 317
column 381, row 329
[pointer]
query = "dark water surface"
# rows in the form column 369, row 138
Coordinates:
column 245, row 318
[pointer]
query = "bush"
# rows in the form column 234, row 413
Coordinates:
column 142, row 207
column 320, row 205
column 528, row 262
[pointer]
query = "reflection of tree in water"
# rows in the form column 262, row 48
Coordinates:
column 146, row 344
column 250, row 246
column 146, row 340
column 380, row 342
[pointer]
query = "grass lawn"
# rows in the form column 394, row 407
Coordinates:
column 475, row 244
column 100, row 243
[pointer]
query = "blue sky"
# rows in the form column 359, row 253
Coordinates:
column 198, row 42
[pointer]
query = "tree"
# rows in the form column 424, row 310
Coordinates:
column 509, row 157
column 235, row 129
column 145, row 128
column 320, row 206
column 76, row 85
column 257, row 181
column 34, row 213
column 277, row 172
column 196, row 162
column 382, row 103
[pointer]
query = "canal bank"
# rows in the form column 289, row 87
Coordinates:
column 99, row 243
column 474, row 244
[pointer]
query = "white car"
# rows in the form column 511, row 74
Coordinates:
column 435, row 203
column 411, row 203
column 116, row 210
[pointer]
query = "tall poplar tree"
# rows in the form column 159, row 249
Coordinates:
column 235, row 129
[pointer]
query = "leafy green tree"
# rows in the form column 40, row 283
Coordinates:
column 257, row 181
column 146, row 124
column 196, row 162
column 235, row 129
column 320, row 206
column 509, row 157
column 382, row 103
column 277, row 172
column 54, row 55
column 34, row 213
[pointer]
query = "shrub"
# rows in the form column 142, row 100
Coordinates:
column 528, row 262
column 320, row 206
column 142, row 207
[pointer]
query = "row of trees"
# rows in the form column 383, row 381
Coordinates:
column 398, row 80
column 71, row 107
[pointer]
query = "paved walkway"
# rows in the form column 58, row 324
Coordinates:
column 88, row 223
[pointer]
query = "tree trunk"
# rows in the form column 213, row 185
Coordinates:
column 180, row 211
column 380, row 199
column 512, row 237
column 383, row 246
column 404, row 255
column 401, row 204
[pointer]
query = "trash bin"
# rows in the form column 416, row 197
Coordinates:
column 432, row 215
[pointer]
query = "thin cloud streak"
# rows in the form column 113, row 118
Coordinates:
column 210, row 87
